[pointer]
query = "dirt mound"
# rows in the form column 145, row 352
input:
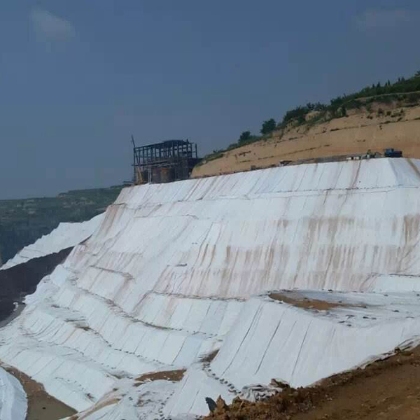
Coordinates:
column 386, row 390
column 305, row 303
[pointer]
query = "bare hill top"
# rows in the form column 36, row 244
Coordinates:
column 376, row 127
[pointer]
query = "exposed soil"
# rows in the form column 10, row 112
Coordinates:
column 385, row 390
column 170, row 375
column 355, row 134
column 306, row 303
column 210, row 357
column 41, row 406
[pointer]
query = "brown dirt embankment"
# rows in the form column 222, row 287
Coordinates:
column 385, row 390
column 354, row 134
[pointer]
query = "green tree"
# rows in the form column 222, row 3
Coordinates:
column 268, row 126
column 246, row 135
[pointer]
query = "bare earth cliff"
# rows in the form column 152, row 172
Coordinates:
column 383, row 126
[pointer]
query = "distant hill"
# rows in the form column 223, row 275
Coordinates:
column 377, row 117
column 22, row 222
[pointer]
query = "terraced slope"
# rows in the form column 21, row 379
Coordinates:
column 129, row 326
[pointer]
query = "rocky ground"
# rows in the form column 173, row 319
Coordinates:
column 386, row 390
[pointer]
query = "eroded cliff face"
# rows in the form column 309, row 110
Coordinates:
column 393, row 127
column 178, row 271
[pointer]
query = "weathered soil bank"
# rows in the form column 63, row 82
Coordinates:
column 355, row 134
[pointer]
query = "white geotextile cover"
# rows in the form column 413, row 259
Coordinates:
column 66, row 235
column 13, row 403
column 169, row 276
column 275, row 340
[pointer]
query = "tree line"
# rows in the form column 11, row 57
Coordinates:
column 337, row 107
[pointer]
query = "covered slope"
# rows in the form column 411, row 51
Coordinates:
column 67, row 235
column 21, row 276
column 297, row 346
column 387, row 389
column 168, row 277
column 13, row 404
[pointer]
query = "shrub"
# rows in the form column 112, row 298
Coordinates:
column 245, row 136
column 403, row 90
column 268, row 126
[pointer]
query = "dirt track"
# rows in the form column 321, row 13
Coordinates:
column 385, row 390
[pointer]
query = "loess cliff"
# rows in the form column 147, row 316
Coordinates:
column 383, row 126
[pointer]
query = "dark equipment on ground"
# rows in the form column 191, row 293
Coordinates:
column 212, row 404
column 171, row 160
column 392, row 153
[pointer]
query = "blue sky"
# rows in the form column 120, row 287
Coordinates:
column 78, row 77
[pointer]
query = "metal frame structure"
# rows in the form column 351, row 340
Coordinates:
column 170, row 160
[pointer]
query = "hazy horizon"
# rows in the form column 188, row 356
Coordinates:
column 79, row 78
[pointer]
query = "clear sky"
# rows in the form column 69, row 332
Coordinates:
column 78, row 77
